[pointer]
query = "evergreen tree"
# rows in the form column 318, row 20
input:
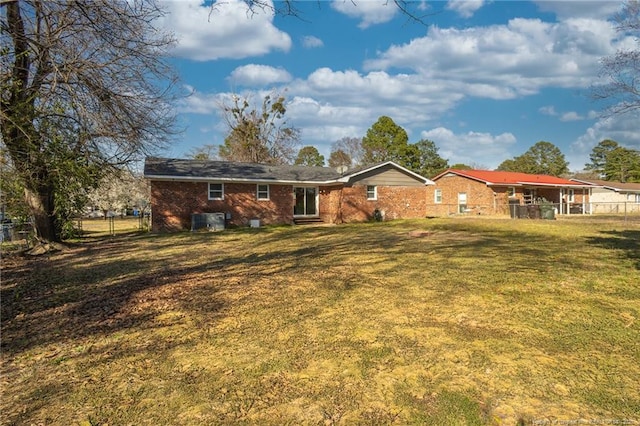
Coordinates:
column 599, row 154
column 543, row 158
column 428, row 162
column 309, row 156
column 385, row 141
column 622, row 165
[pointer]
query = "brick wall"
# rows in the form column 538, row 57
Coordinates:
column 395, row 202
column 481, row 198
column 174, row 202
column 330, row 200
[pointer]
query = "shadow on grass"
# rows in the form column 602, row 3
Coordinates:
column 86, row 291
column 628, row 241
column 89, row 289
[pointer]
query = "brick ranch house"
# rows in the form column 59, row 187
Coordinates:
column 279, row 194
column 493, row 192
column 611, row 196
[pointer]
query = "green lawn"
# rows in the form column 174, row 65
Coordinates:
column 442, row 321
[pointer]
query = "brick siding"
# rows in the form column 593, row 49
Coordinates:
column 394, row 202
column 483, row 199
column 479, row 196
column 174, row 202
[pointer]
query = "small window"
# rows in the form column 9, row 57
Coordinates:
column 216, row 191
column 571, row 196
column 372, row 193
column 511, row 191
column 437, row 197
column 263, row 192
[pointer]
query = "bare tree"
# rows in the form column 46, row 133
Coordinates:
column 350, row 146
column 339, row 160
column 84, row 89
column 204, row 152
column 621, row 71
column 259, row 136
column 413, row 10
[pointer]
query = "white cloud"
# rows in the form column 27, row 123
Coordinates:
column 258, row 75
column 200, row 103
column 548, row 110
column 571, row 116
column 465, row 8
column 471, row 147
column 621, row 128
column 579, row 8
column 506, row 61
column 406, row 98
column 310, row 42
column 370, row 12
column 223, row 30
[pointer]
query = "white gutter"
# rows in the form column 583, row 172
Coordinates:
column 564, row 185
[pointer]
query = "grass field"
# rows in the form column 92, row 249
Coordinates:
column 443, row 321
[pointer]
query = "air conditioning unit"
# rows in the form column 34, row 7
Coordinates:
column 210, row 221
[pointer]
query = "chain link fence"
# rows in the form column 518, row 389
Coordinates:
column 17, row 232
column 623, row 211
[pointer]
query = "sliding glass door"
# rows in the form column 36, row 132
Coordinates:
column 306, row 201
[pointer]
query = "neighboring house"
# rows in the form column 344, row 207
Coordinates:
column 493, row 192
column 612, row 197
column 279, row 194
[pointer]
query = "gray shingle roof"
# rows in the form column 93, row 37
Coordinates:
column 615, row 185
column 226, row 170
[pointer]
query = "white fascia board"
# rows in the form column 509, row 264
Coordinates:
column 556, row 185
column 504, row 184
column 586, row 182
column 239, row 180
column 621, row 190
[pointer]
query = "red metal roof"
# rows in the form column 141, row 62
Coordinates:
column 491, row 177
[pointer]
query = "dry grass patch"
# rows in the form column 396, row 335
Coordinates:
column 411, row 322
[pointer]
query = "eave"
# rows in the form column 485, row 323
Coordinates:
column 239, row 180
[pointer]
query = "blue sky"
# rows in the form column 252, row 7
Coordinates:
column 485, row 80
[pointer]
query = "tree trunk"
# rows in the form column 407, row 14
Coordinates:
column 42, row 208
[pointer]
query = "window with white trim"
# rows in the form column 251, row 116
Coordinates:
column 216, row 191
column 437, row 196
column 372, row 192
column 570, row 196
column 262, row 192
column 511, row 191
